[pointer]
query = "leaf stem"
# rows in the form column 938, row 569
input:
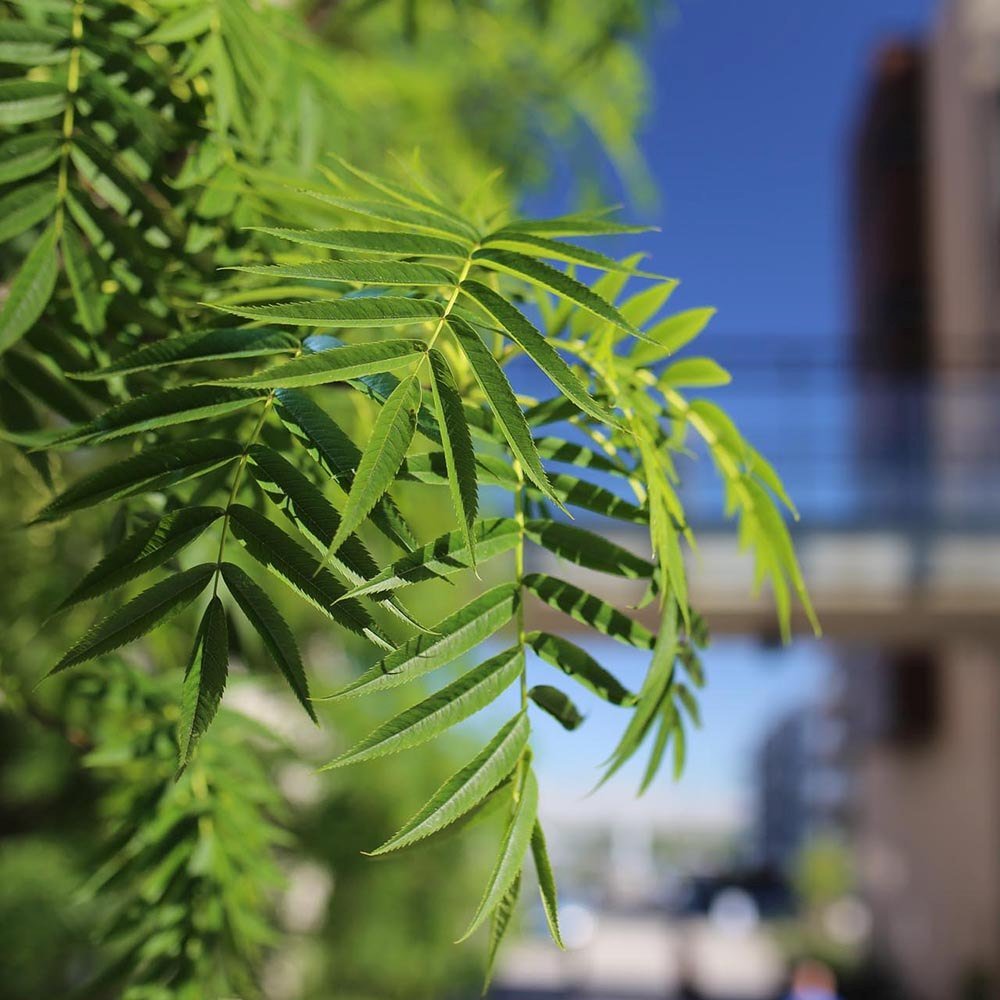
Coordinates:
column 72, row 87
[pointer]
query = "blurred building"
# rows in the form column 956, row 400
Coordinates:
column 799, row 787
column 924, row 720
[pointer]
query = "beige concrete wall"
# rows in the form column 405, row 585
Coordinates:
column 964, row 138
column 929, row 835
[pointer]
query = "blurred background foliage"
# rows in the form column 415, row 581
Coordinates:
column 470, row 89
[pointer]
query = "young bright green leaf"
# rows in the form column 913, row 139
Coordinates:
column 467, row 788
column 362, row 272
column 558, row 704
column 445, row 555
column 586, row 548
column 30, row 290
column 152, row 469
column 204, row 345
column 274, row 631
column 640, row 308
column 504, row 403
column 655, row 689
column 290, row 562
column 360, row 241
column 381, row 459
column 546, row 883
column 513, row 849
column 558, row 282
column 383, row 310
column 580, row 665
column 27, row 154
column 143, row 551
column 462, row 698
column 339, row 364
column 452, row 637
column 141, row 615
column 205, row 679
column 524, row 334
column 669, row 336
column 694, row 372
column 157, row 410
column 664, row 728
column 589, row 610
column 23, row 101
column 456, row 442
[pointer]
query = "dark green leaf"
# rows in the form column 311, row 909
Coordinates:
column 141, row 615
column 25, row 206
column 28, row 154
column 273, row 630
column 546, row 883
column 147, row 548
column 504, row 403
column 580, row 665
column 445, row 555
column 157, row 410
column 153, row 469
column 590, row 610
column 204, row 345
column 558, row 282
column 538, row 349
column 362, row 272
column 558, row 704
column 205, row 679
column 586, row 548
column 289, row 561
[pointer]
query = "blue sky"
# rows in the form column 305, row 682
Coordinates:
column 748, row 142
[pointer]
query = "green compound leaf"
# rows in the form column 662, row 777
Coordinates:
column 380, row 311
column 462, row 698
column 30, row 290
column 590, row 610
column 141, row 615
column 205, row 679
column 449, row 639
column 513, row 849
column 464, row 790
column 580, row 665
column 546, row 883
column 390, row 439
column 301, row 570
column 456, row 443
column 558, row 704
column 274, row 631
column 338, row 364
column 192, row 348
column 143, row 551
column 152, row 469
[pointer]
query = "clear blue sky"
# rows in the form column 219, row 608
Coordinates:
column 748, row 142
